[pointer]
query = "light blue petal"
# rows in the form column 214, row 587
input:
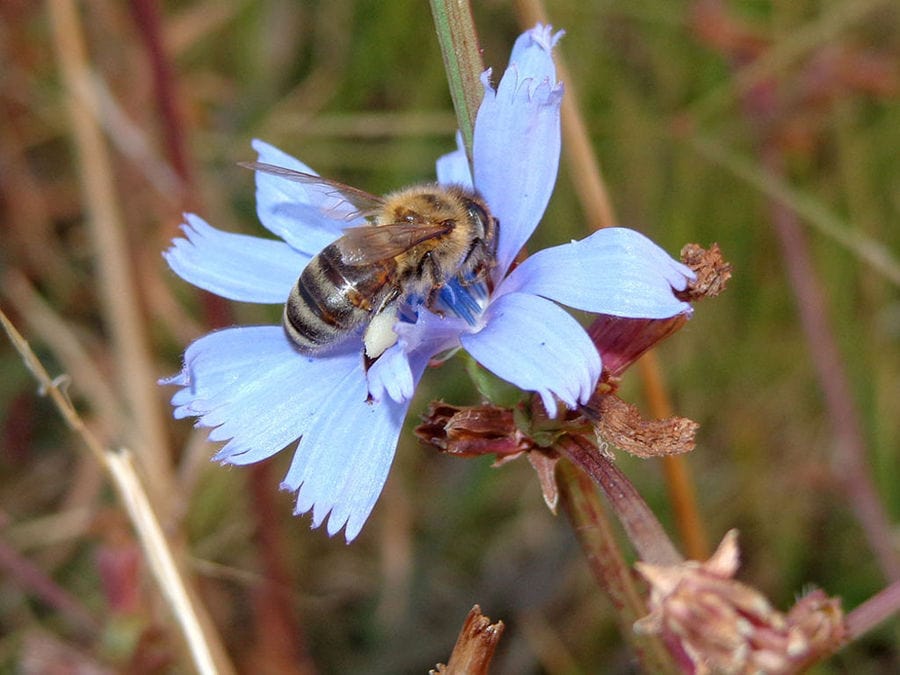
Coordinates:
column 614, row 271
column 531, row 49
column 235, row 266
column 391, row 374
column 397, row 372
column 343, row 460
column 517, row 142
column 537, row 346
column 255, row 389
column 306, row 216
column 453, row 168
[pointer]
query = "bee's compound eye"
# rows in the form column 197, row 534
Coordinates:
column 478, row 214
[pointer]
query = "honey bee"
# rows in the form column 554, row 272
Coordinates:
column 416, row 241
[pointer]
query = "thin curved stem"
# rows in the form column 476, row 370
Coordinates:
column 588, row 516
column 196, row 626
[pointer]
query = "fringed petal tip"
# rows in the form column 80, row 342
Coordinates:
column 338, row 516
column 530, row 66
column 543, row 36
column 486, row 82
column 527, row 83
column 342, row 461
column 531, row 62
column 391, row 375
column 318, row 515
column 181, row 379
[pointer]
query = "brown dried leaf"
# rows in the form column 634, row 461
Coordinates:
column 621, row 424
column 545, row 466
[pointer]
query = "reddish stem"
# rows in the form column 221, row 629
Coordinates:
column 35, row 581
column 849, row 459
column 877, row 609
column 643, row 529
column 589, row 520
column 147, row 17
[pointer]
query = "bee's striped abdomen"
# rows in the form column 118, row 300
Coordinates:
column 329, row 300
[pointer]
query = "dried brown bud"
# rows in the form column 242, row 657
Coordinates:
column 475, row 646
column 712, row 271
column 725, row 626
column 471, row 430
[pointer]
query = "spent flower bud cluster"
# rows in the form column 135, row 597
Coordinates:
column 720, row 625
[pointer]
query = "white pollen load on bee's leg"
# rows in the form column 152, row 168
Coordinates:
column 380, row 333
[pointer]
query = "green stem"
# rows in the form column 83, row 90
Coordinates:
column 462, row 60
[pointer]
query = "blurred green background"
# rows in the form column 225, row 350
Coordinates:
column 682, row 102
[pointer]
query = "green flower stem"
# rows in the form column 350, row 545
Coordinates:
column 595, row 534
column 462, row 60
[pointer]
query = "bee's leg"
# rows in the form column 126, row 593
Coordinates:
column 428, row 273
column 432, row 278
column 431, row 301
column 475, row 272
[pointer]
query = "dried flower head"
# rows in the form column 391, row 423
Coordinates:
column 723, row 626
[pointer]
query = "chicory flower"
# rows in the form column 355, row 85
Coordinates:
column 259, row 394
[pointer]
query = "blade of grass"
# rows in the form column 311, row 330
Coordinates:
column 877, row 258
column 48, row 325
column 117, row 289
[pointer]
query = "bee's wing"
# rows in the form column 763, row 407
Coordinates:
column 365, row 203
column 371, row 243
